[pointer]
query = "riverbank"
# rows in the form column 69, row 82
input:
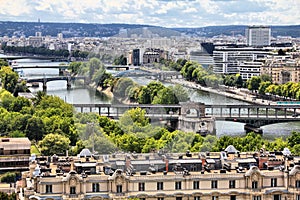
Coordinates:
column 225, row 91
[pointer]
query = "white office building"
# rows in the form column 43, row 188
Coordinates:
column 249, row 69
column 258, row 35
column 227, row 60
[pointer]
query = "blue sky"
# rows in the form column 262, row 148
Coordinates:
column 167, row 13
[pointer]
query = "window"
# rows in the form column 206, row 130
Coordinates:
column 232, row 197
column 277, row 197
column 254, row 184
column 273, row 182
column 232, row 184
column 160, row 198
column 160, row 185
column 214, row 198
column 196, row 184
column 141, row 186
column 119, row 188
column 142, row 198
column 297, row 184
column 178, row 198
column 48, row 188
column 256, row 198
column 214, row 184
column 196, row 198
column 177, row 185
column 96, row 187
column 298, row 197
column 72, row 190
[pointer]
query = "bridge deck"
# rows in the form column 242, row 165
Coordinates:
column 257, row 115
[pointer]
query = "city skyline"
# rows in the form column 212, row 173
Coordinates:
column 166, row 13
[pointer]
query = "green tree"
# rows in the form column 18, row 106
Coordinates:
column 75, row 67
column 265, row 78
column 144, row 96
column 94, row 65
column 238, row 81
column 263, row 87
column 5, row 196
column 121, row 86
column 253, row 83
column 180, row 93
column 136, row 116
column 165, row 96
column 19, row 103
column 3, row 63
column 35, row 128
column 8, row 177
column 9, row 79
column 54, row 144
column 121, row 60
column 293, row 139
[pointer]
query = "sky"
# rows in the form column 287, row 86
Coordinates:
column 166, row 13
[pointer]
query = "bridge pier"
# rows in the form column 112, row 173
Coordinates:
column 69, row 82
column 44, row 85
column 61, row 71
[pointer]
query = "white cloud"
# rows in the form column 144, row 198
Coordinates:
column 170, row 13
column 14, row 8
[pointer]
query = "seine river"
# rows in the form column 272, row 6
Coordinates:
column 81, row 94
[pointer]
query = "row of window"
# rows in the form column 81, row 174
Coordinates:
column 49, row 189
column 232, row 197
column 160, row 186
column 214, row 184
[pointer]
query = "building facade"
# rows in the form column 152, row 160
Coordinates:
column 282, row 70
column 258, row 35
column 250, row 69
column 207, row 176
column 227, row 60
column 14, row 154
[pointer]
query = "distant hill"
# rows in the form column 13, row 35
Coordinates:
column 210, row 31
column 107, row 30
column 79, row 29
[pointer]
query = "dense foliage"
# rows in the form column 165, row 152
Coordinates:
column 9, row 177
column 134, row 132
column 5, row 196
column 36, row 51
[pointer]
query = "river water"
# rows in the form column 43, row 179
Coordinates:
column 81, row 94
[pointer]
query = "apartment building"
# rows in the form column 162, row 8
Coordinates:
column 156, row 176
column 154, row 55
column 282, row 69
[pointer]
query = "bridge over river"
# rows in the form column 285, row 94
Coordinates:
column 44, row 80
column 254, row 116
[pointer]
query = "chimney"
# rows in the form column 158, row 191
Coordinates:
column 167, row 164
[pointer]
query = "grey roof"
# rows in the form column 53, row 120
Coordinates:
column 85, row 153
column 231, row 149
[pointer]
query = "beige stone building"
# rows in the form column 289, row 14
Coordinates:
column 14, row 154
column 227, row 175
column 282, row 70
